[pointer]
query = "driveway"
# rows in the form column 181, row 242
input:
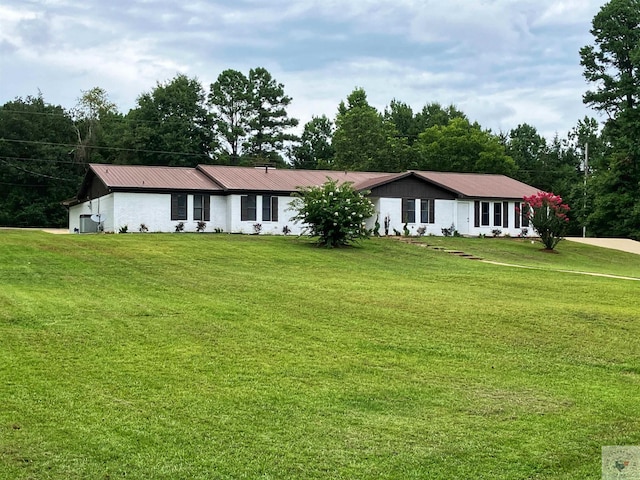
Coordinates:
column 623, row 244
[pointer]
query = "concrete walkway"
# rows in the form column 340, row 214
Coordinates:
column 623, row 244
column 55, row 231
column 577, row 272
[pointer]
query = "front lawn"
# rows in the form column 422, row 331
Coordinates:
column 226, row 356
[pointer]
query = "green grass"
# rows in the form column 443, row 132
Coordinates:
column 216, row 356
column 528, row 252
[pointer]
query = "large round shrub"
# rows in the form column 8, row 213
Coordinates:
column 336, row 214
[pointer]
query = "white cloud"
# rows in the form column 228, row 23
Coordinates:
column 503, row 62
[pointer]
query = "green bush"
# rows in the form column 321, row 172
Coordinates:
column 334, row 213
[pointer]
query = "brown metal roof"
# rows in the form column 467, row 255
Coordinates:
column 380, row 179
column 227, row 178
column 479, row 185
column 263, row 179
column 149, row 177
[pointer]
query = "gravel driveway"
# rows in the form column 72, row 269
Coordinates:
column 623, row 244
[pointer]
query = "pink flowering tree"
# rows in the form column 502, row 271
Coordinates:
column 548, row 216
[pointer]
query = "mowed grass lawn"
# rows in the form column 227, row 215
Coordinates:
column 220, row 356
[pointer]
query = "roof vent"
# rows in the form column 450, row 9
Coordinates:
column 265, row 167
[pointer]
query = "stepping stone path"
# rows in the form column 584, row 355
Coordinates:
column 419, row 243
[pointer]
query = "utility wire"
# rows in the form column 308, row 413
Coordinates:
column 37, row 174
column 116, row 149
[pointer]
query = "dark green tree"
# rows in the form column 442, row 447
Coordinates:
column 461, row 147
column 37, row 166
column 314, row 151
column 434, row 114
column 528, row 149
column 401, row 116
column 612, row 66
column 171, row 126
column 269, row 122
column 364, row 140
column 230, row 98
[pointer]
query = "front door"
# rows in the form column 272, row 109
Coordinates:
column 462, row 224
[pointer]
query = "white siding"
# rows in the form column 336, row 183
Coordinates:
column 154, row 210
column 219, row 214
column 236, row 225
column 487, row 230
column 102, row 205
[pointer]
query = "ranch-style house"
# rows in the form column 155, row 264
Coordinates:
column 234, row 199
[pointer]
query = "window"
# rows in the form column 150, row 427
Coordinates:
column 497, row 214
column 248, row 208
column 525, row 215
column 505, row 214
column 485, row 214
column 201, row 207
column 427, row 210
column 517, row 214
column 408, row 210
column 178, row 206
column 269, row 208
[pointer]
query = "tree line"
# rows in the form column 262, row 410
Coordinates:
column 243, row 120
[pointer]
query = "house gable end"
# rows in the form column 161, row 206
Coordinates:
column 411, row 186
column 92, row 187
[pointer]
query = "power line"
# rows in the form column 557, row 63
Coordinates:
column 37, row 174
column 70, row 117
column 46, row 160
column 116, row 149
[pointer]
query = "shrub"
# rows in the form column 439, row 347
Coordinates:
column 286, row 230
column 180, row 227
column 405, row 230
column 548, row 217
column 376, row 226
column 450, row 232
column 200, row 226
column 421, row 230
column 143, row 228
column 496, row 232
column 257, row 228
column 334, row 213
column 123, row 229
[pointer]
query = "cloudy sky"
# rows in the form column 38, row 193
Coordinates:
column 502, row 62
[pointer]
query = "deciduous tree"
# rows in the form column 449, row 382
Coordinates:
column 612, row 66
column 314, row 151
column 171, row 125
column 461, row 146
column 363, row 140
column 37, row 169
column 97, row 123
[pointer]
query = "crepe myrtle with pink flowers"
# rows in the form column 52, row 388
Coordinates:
column 336, row 214
column 548, row 216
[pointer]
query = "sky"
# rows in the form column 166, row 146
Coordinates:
column 502, row 62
